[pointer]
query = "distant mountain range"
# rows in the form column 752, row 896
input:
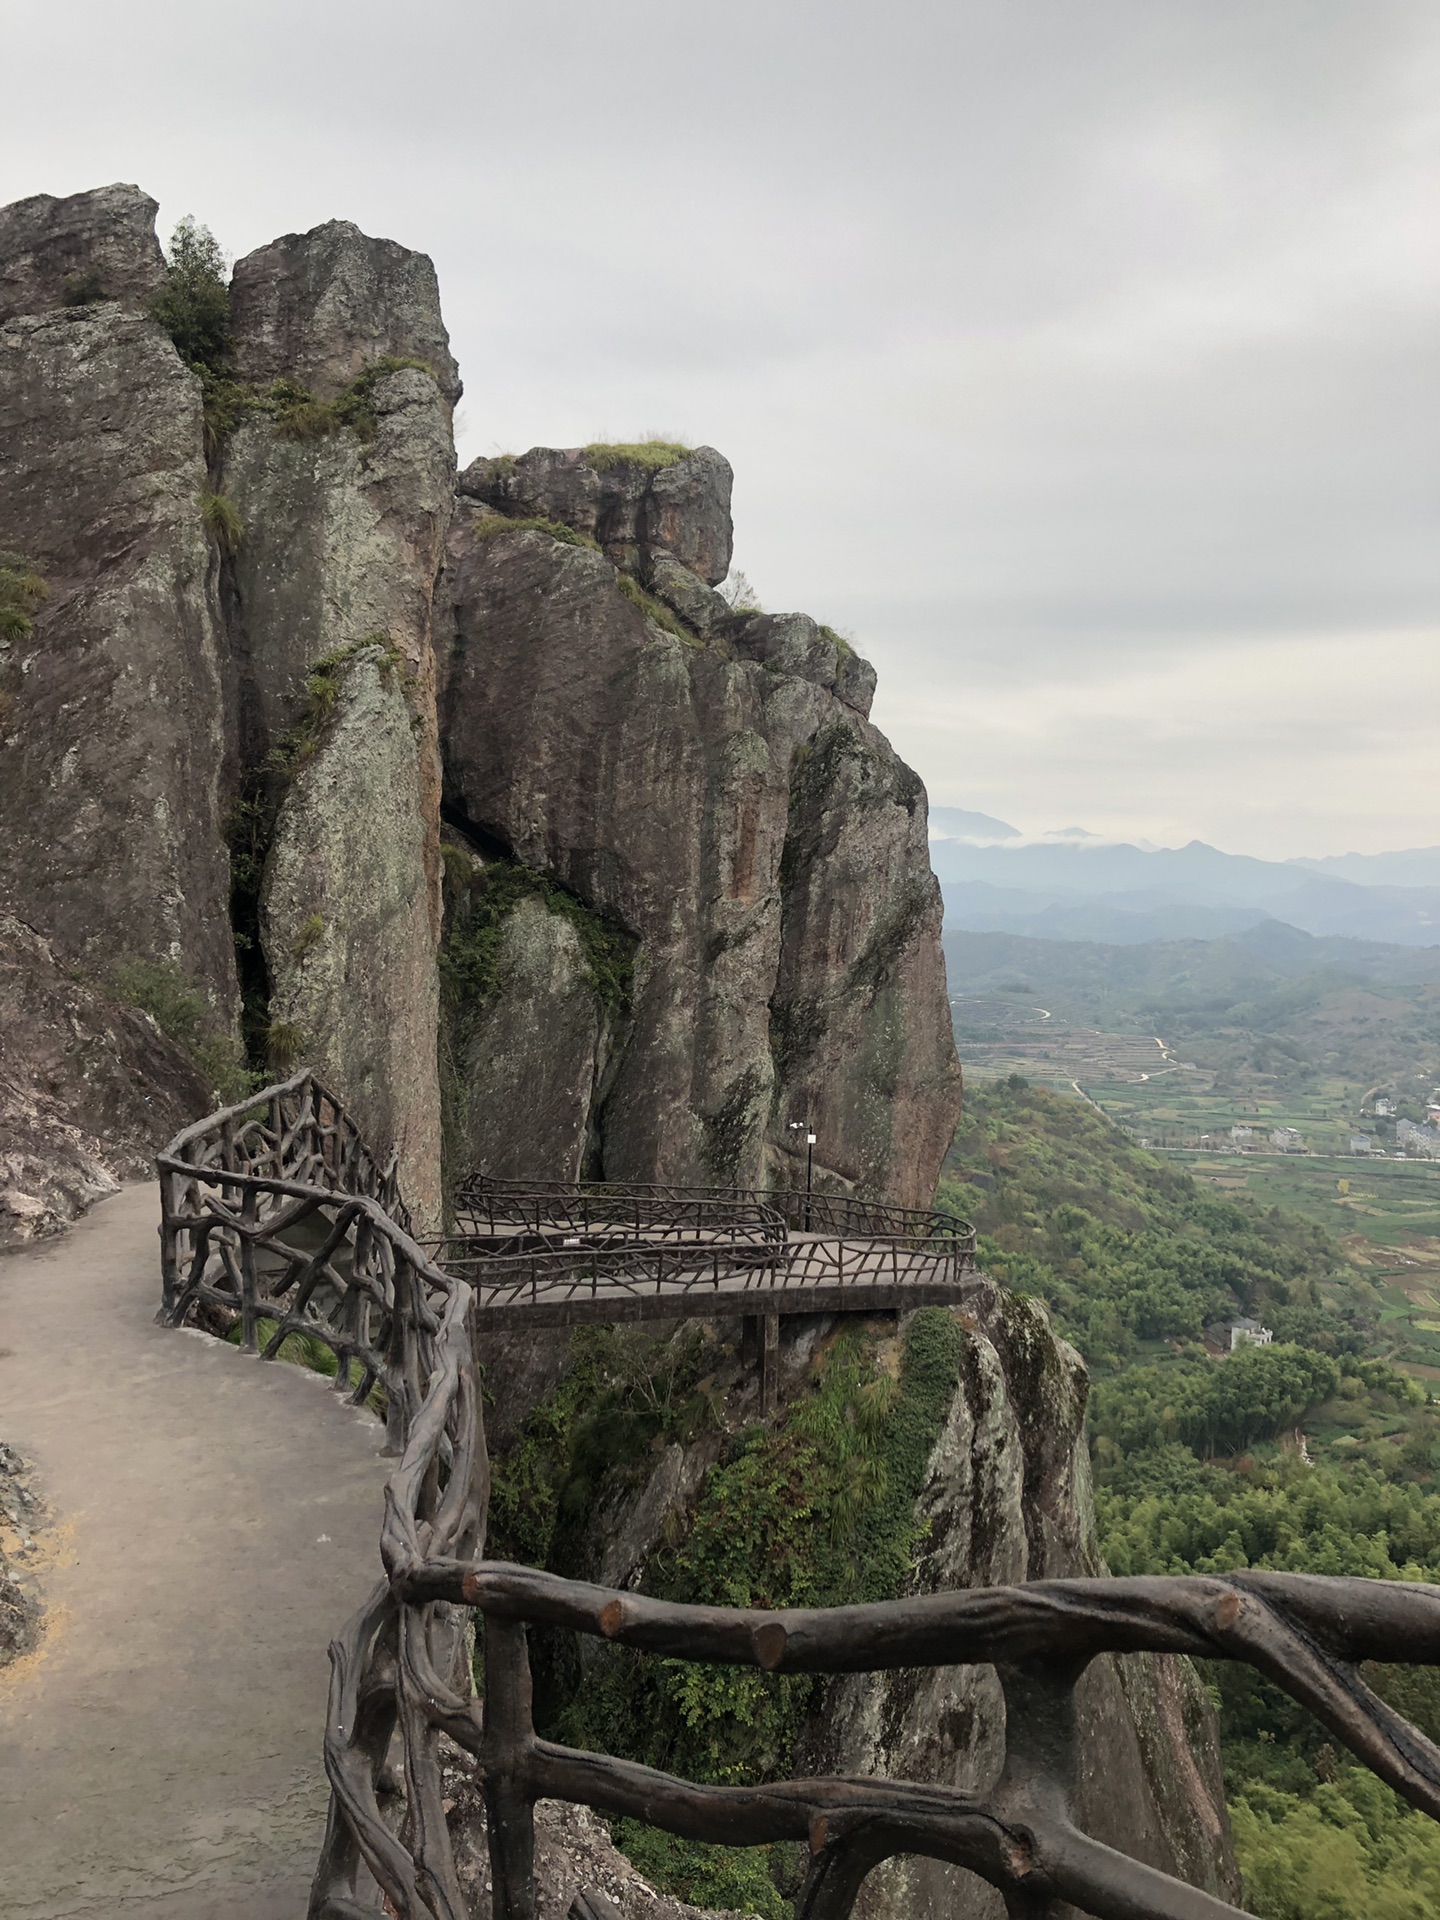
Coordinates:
column 1073, row 888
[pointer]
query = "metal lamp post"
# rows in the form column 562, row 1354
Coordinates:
column 795, row 1127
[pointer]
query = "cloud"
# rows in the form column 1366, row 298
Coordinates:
column 1078, row 359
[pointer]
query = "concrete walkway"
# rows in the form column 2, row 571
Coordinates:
column 215, row 1520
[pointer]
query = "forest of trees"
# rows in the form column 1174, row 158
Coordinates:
column 1311, row 1455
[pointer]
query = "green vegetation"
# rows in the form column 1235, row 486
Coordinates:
column 193, row 302
column 655, row 610
column 816, row 1508
column 1128, row 1251
column 1312, row 1455
column 480, row 896
column 736, row 1879
column 1268, row 1028
column 605, row 455
column 22, row 590
column 491, row 526
column 482, row 900
column 222, row 522
column 82, row 289
column 308, row 1350
column 184, row 1013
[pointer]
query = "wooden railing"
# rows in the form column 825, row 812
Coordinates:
column 550, row 1203
column 334, row 1264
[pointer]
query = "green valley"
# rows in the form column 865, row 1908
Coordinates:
column 1313, row 1454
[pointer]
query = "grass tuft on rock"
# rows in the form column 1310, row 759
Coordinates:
column 491, row 526
column 603, row 456
column 22, row 590
column 655, row 610
column 185, row 1013
column 222, row 522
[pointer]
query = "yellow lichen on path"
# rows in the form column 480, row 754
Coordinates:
column 212, row 1521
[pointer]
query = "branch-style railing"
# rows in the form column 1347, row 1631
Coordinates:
column 558, row 1203
column 563, row 1249
column 334, row 1264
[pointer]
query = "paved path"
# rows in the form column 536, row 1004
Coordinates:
column 217, row 1520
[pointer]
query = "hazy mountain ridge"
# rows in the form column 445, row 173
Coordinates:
column 1119, row 893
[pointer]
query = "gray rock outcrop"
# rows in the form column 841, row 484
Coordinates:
column 1007, row 1499
column 756, row 836
column 91, row 246
column 111, row 736
column 343, row 538
column 89, row 1088
column 348, row 922
column 634, row 509
column 320, row 307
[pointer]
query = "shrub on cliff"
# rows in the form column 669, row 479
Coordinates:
column 21, row 592
column 193, row 303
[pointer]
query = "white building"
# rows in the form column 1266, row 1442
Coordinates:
column 1361, row 1143
column 1249, row 1333
column 1415, row 1139
column 1287, row 1139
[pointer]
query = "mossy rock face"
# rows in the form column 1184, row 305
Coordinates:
column 535, row 995
column 946, row 1453
column 757, row 838
column 318, row 308
column 346, row 918
column 640, row 501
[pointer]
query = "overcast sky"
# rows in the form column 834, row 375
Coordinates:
column 1078, row 357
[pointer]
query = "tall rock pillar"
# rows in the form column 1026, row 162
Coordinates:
column 111, row 710
column 344, row 485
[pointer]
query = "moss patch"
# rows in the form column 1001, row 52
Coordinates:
column 603, row 456
column 22, row 590
column 491, row 526
column 184, row 1013
column 814, row 1509
column 292, row 409
column 655, row 610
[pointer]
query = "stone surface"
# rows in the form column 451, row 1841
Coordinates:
column 343, row 541
column 320, row 307
column 855, row 1003
column 213, row 1519
column 636, row 512
column 652, row 776
column 89, row 1089
column 347, row 922
column 343, row 544
column 98, row 245
column 698, row 606
column 531, row 1067
column 1007, row 1499
column 793, row 643
column 22, row 1518
column 573, row 1854
column 111, row 725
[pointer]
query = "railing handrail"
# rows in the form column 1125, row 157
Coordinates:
column 400, row 1662
column 781, row 1200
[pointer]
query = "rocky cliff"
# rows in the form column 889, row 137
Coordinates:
column 709, row 782
column 948, row 1452
column 272, row 649
column 474, row 793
